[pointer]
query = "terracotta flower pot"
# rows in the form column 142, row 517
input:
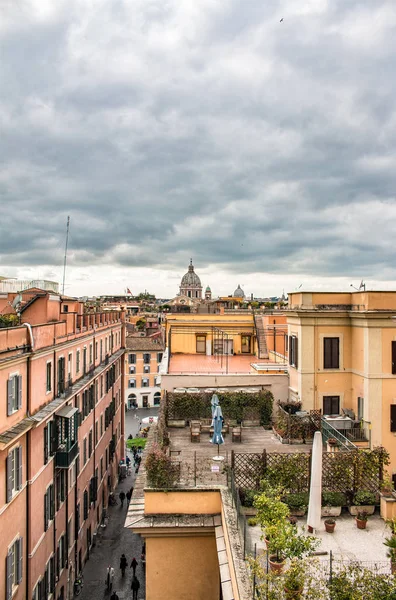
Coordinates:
column 361, row 524
column 276, row 566
column 330, row 527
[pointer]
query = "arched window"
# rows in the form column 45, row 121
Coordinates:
column 131, row 400
column 157, row 398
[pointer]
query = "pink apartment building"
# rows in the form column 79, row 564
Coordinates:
column 61, row 437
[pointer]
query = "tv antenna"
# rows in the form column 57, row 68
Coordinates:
column 64, row 260
column 361, row 288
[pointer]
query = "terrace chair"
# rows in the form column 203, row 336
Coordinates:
column 237, row 434
column 195, row 431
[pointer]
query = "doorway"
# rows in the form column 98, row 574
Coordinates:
column 145, row 401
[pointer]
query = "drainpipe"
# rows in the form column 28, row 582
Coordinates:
column 28, row 444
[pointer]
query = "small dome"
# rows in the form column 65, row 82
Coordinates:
column 239, row 293
column 190, row 279
column 208, row 289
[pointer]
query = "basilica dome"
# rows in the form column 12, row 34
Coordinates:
column 239, row 293
column 190, row 284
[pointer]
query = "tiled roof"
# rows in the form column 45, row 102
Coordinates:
column 145, row 343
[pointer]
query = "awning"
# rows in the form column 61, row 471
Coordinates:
column 66, row 412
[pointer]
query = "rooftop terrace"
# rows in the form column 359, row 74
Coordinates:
column 192, row 364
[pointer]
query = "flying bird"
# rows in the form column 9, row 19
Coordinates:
column 281, row 21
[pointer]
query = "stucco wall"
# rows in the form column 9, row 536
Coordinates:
column 185, row 568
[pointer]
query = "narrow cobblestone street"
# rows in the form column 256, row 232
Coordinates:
column 115, row 540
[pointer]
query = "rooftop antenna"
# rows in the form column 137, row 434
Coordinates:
column 362, row 287
column 64, row 260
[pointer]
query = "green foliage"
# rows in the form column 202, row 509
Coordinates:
column 296, row 501
column 8, row 321
column 270, row 509
column 290, row 472
column 355, row 582
column 247, row 497
column 294, row 578
column 235, row 406
column 141, row 324
column 364, row 497
column 252, row 522
column 136, row 443
column 334, row 499
column 160, row 470
column 390, row 543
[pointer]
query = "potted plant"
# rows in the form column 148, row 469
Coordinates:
column 332, row 503
column 294, row 580
column 363, row 501
column 330, row 525
column 361, row 519
column 297, row 503
column 390, row 543
column 387, row 487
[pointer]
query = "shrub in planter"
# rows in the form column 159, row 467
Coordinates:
column 252, row 522
column 330, row 525
column 361, row 519
column 297, row 503
column 364, row 498
column 247, row 497
column 160, row 470
column 333, row 499
column 294, row 580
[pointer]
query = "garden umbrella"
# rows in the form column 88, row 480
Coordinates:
column 217, row 424
column 315, row 490
column 214, row 402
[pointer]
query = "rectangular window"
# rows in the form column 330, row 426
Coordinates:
column 49, row 505
column 78, row 361
column 61, row 554
column 96, row 350
column 101, row 468
column 145, row 382
column 49, row 377
column 84, row 451
column 394, row 358
column 132, row 383
column 146, row 369
column 286, row 342
column 146, row 358
column 393, row 417
column 14, row 567
column 331, row 353
column 331, row 405
column 245, row 344
column 360, row 407
column 14, row 394
column 201, row 344
column 159, row 357
column 96, row 432
column 85, row 505
column 60, row 488
column 101, row 386
column 14, row 472
column 90, row 354
column 101, row 425
column 132, row 369
column 293, row 351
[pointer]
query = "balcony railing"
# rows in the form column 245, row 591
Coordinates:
column 66, row 453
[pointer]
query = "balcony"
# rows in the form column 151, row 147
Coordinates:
column 65, row 454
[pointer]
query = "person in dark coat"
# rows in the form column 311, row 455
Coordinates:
column 122, row 498
column 135, row 585
column 123, row 564
column 134, row 564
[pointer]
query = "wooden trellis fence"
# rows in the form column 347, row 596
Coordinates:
column 345, row 472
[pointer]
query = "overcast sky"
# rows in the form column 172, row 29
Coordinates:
column 175, row 128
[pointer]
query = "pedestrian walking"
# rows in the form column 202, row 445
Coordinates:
column 135, row 585
column 134, row 564
column 123, row 564
column 122, row 498
column 109, row 578
column 114, row 596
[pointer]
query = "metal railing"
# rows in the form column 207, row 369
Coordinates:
column 330, row 432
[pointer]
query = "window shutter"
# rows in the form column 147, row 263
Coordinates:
column 19, row 391
column 394, row 358
column 53, row 437
column 58, row 559
column 19, row 559
column 51, row 501
column 19, row 467
column 295, row 352
column 45, row 444
column 10, row 571
column 52, row 577
column 46, row 511
column 393, row 417
column 9, row 397
column 9, row 478
column 336, row 353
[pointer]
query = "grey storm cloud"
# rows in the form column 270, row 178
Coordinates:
column 199, row 128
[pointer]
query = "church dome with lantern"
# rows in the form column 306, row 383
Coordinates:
column 190, row 284
column 239, row 293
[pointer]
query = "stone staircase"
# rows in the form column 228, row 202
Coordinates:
column 261, row 337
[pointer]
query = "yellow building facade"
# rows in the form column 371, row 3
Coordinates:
column 211, row 334
column 342, row 355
